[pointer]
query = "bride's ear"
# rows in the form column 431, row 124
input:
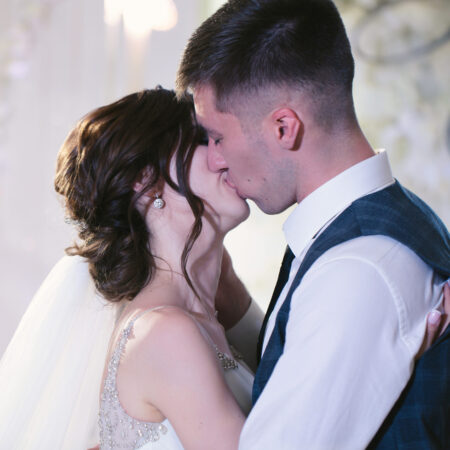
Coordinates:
column 143, row 180
column 148, row 192
column 145, row 196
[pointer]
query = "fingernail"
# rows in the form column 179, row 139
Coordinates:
column 435, row 317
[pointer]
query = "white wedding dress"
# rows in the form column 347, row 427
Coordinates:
column 50, row 374
column 119, row 430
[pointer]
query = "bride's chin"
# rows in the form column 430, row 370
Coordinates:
column 246, row 213
column 226, row 220
column 238, row 219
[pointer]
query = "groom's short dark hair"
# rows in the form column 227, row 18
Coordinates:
column 248, row 45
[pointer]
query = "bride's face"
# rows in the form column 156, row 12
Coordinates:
column 222, row 203
column 223, row 208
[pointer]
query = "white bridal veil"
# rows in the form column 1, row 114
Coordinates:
column 51, row 372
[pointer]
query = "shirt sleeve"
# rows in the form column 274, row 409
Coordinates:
column 343, row 367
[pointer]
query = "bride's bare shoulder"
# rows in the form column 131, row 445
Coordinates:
column 177, row 372
column 170, row 331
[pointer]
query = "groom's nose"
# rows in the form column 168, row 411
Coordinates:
column 216, row 161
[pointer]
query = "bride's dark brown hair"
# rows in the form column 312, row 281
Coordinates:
column 97, row 167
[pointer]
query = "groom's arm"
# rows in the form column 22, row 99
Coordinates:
column 242, row 317
column 344, row 364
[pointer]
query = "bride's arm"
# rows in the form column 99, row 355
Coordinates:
column 238, row 313
column 181, row 377
column 232, row 298
column 244, row 335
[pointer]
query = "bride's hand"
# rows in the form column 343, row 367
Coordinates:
column 437, row 322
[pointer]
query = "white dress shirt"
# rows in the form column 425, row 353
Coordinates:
column 356, row 323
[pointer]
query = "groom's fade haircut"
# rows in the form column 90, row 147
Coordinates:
column 249, row 47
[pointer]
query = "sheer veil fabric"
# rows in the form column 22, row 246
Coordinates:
column 51, row 372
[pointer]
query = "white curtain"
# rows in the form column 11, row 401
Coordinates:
column 58, row 60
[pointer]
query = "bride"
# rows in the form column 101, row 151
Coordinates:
column 151, row 219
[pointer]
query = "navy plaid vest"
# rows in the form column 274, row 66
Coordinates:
column 421, row 416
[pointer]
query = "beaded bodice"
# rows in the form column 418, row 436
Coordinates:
column 117, row 428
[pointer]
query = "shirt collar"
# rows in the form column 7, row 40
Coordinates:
column 328, row 200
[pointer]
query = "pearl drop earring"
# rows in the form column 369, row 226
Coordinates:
column 158, row 203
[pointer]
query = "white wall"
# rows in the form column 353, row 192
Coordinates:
column 66, row 62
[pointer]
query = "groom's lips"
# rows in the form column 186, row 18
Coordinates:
column 229, row 182
column 233, row 186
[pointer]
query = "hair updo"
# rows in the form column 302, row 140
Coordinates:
column 97, row 167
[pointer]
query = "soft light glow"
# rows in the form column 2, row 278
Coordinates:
column 142, row 16
column 112, row 11
column 167, row 16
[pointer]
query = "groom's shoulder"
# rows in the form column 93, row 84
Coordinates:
column 386, row 274
column 395, row 206
column 374, row 249
column 386, row 257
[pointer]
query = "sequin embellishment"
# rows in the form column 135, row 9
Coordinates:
column 117, row 428
column 226, row 362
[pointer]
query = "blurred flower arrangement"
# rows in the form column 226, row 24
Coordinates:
column 402, row 94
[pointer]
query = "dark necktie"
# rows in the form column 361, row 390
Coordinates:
column 283, row 276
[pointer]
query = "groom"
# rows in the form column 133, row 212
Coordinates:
column 366, row 259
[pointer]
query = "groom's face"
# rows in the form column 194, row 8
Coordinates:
column 244, row 156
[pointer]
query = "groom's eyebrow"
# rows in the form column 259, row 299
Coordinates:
column 212, row 132
column 209, row 131
column 202, row 132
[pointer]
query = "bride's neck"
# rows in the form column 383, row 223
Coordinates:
column 203, row 267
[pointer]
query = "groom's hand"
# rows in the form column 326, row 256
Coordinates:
column 437, row 322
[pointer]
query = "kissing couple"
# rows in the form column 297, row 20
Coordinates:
column 153, row 182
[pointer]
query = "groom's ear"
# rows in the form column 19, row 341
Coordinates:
column 287, row 127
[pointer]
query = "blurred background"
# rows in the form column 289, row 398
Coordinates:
column 61, row 58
